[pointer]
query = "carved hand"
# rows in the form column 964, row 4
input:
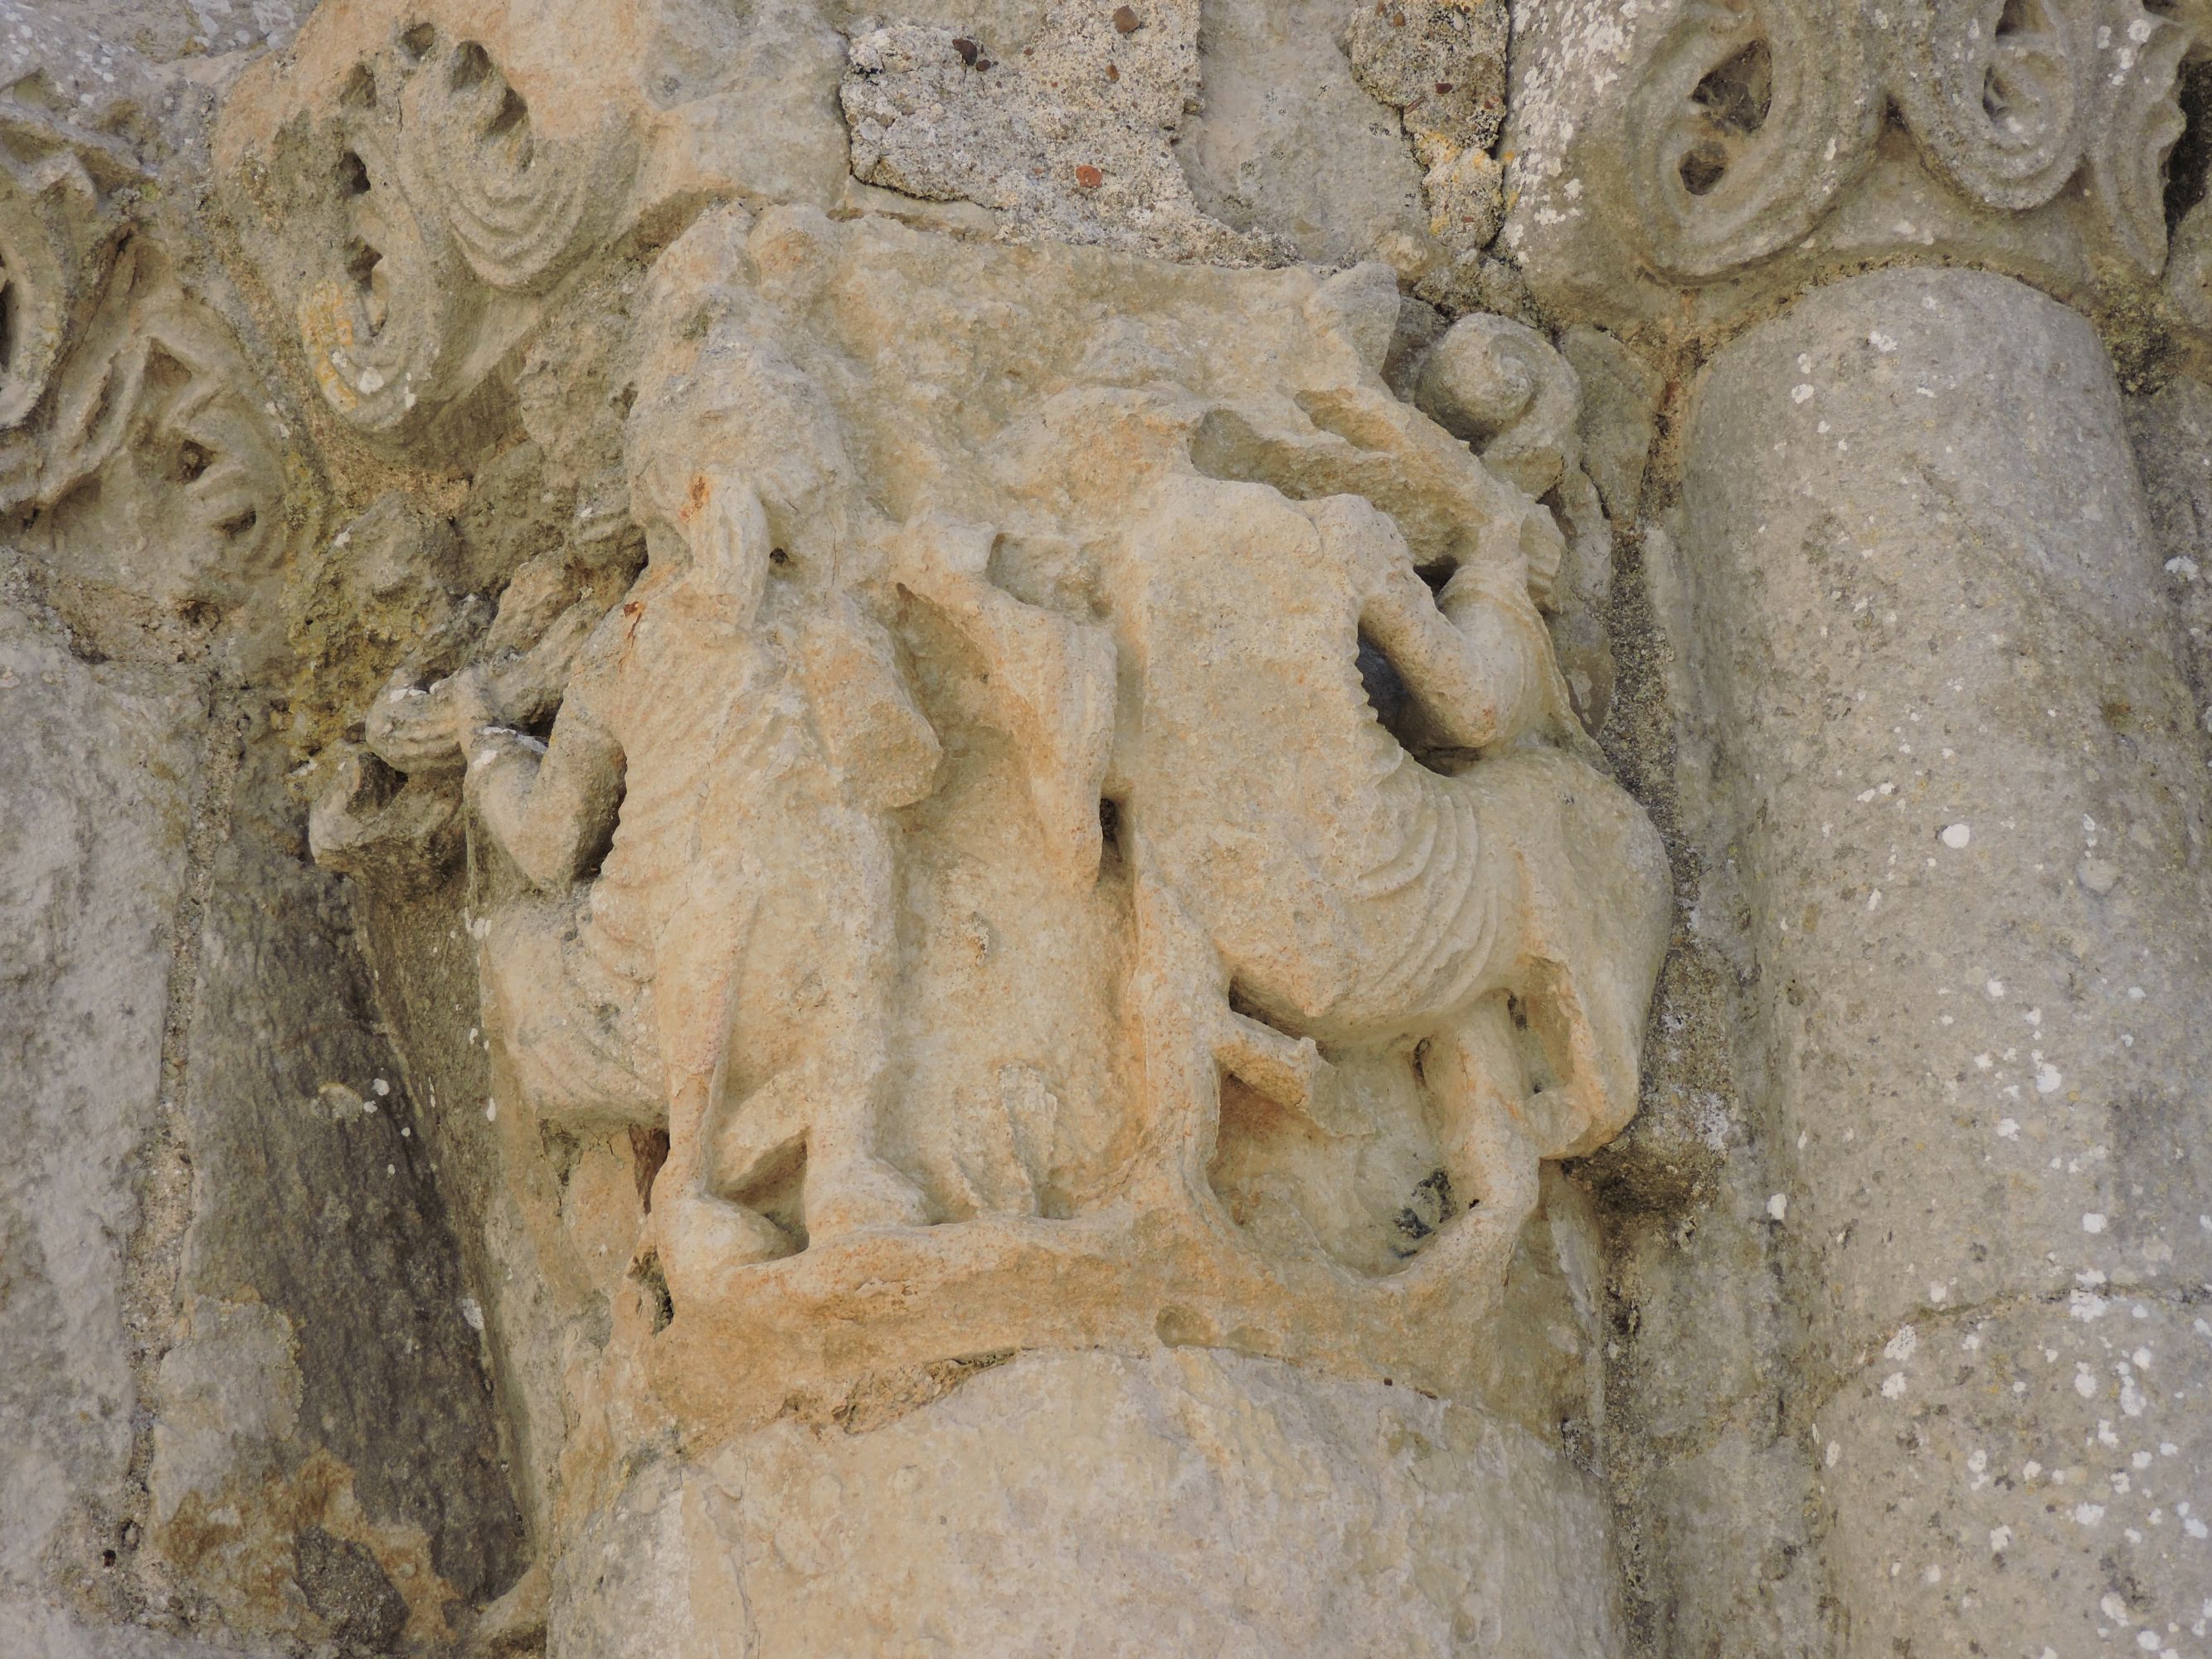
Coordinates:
column 412, row 730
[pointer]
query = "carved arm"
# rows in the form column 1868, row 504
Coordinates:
column 1474, row 657
column 552, row 807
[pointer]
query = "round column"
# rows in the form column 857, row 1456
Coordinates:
column 1965, row 805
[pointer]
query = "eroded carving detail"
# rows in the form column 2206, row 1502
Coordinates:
column 166, row 487
column 976, row 840
column 59, row 222
column 1994, row 92
column 415, row 209
column 1753, row 116
column 1747, row 119
column 2138, row 122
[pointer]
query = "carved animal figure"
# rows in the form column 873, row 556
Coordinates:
column 1294, row 859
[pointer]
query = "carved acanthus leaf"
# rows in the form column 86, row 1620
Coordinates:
column 2138, row 122
column 1749, row 117
column 427, row 193
column 60, row 222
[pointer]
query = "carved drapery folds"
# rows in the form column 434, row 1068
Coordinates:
column 1727, row 134
column 414, row 208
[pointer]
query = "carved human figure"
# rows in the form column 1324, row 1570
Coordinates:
column 1502, row 926
column 733, row 739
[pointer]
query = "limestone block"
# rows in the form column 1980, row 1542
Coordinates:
column 1184, row 1503
column 1068, row 136
column 1285, row 141
column 103, row 766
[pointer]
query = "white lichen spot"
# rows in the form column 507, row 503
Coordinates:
column 2092, row 1223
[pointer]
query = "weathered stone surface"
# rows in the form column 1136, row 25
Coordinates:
column 1980, row 767
column 1068, row 137
column 1285, row 141
column 104, row 769
column 1189, row 1502
column 844, row 829
column 326, row 1458
column 2037, row 1468
column 1995, row 832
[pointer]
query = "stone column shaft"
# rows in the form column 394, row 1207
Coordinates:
column 1969, row 829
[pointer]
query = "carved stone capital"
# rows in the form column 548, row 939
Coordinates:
column 1729, row 150
column 413, row 185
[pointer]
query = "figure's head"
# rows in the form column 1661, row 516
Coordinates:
column 707, row 525
column 717, row 403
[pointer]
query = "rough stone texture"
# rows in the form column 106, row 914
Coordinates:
column 324, row 1413
column 105, row 766
column 1285, row 141
column 1068, row 136
column 1209, row 1503
column 1964, row 859
column 828, row 827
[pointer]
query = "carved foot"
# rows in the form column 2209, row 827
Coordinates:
column 857, row 1193
column 702, row 1240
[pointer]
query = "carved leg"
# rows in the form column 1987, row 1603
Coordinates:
column 578, row 1038
column 1474, row 1070
column 820, row 1116
column 1191, row 1036
column 1179, row 980
column 1055, row 678
column 702, row 1237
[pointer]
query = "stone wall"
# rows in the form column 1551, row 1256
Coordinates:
column 1262, row 826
